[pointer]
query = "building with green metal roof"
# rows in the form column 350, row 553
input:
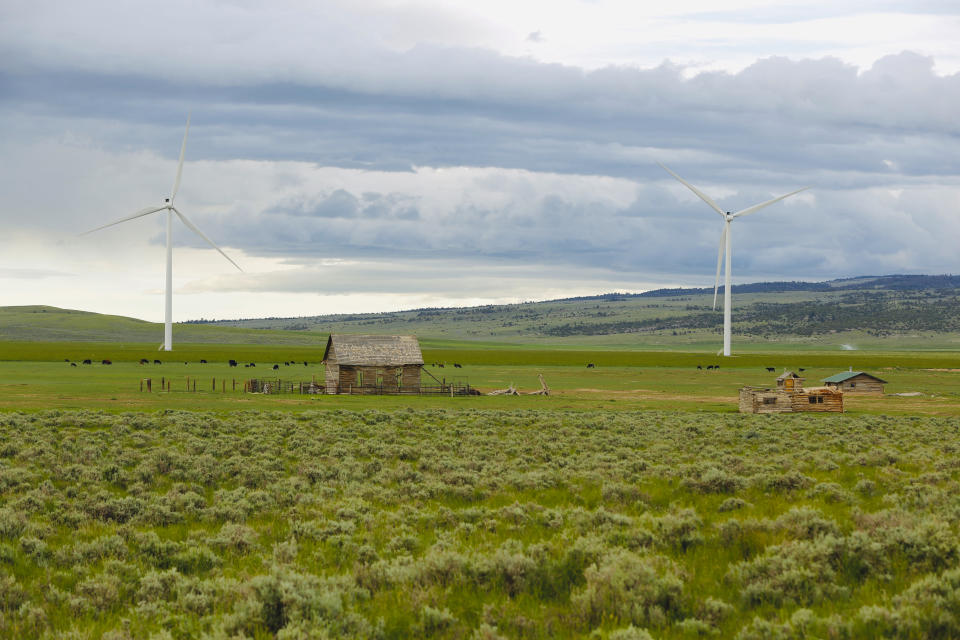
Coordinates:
column 856, row 382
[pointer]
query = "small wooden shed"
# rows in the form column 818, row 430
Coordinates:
column 856, row 382
column 788, row 381
column 372, row 364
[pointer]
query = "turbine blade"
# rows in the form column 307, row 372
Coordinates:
column 699, row 193
column 723, row 244
column 138, row 214
column 757, row 207
column 197, row 231
column 183, row 149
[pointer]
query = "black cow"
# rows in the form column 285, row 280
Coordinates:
column 203, row 361
column 105, row 362
column 286, row 364
column 709, row 367
column 66, row 359
column 440, row 365
column 716, row 366
column 801, row 369
column 144, row 361
column 699, row 367
column 590, row 365
column 233, row 363
column 157, row 362
column 771, row 369
column 73, row 364
column 456, row 366
column 252, row 364
column 276, row 367
column 304, row 363
column 87, row 361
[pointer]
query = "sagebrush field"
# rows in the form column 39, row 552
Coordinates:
column 477, row 524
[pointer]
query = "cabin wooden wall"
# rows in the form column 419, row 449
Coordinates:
column 861, row 385
column 831, row 402
column 752, row 401
column 348, row 379
column 331, row 378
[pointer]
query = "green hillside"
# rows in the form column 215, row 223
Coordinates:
column 50, row 324
column 871, row 312
column 875, row 312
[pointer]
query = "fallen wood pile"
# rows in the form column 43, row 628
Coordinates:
column 512, row 391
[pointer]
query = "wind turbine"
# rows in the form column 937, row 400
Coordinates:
column 725, row 247
column 171, row 211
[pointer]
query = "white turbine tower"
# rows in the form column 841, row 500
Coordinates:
column 171, row 211
column 725, row 248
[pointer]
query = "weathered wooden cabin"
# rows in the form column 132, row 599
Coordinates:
column 857, row 382
column 790, row 396
column 372, row 364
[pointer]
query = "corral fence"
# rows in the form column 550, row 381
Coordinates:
column 278, row 386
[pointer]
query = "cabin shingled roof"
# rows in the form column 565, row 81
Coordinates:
column 788, row 374
column 846, row 375
column 373, row 350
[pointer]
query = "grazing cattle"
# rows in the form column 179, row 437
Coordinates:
column 88, row 361
column 801, row 369
column 304, row 363
column 286, row 364
column 73, row 364
column 184, row 363
column 276, row 367
column 699, row 367
column 66, row 359
column 144, row 361
column 252, row 364
column 709, row 367
column 157, row 362
column 457, row 366
column 440, row 365
column 716, row 366
column 105, row 362
column 246, row 366
column 203, row 361
column 771, row 369
column 233, row 363
column 590, row 365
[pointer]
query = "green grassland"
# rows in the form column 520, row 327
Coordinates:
column 34, row 376
column 471, row 523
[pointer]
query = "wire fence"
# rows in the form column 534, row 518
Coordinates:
column 278, row 386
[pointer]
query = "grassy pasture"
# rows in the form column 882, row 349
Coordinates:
column 34, row 376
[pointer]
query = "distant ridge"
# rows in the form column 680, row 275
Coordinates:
column 890, row 283
column 922, row 307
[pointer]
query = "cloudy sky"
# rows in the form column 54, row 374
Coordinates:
column 371, row 155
